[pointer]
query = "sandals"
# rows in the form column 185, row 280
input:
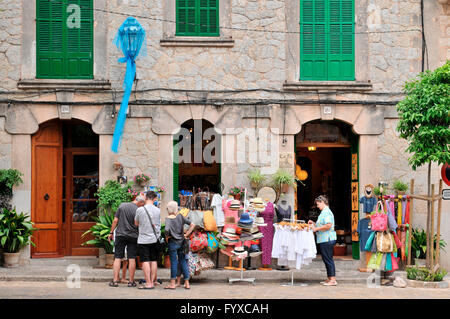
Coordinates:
column 114, row 284
column 330, row 283
column 132, row 284
column 144, row 287
column 171, row 288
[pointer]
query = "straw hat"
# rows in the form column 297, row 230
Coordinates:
column 260, row 222
column 239, row 250
column 245, row 219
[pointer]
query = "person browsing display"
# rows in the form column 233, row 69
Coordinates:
column 326, row 238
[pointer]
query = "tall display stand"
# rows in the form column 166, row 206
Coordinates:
column 252, row 280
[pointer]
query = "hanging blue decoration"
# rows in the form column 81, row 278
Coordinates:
column 131, row 39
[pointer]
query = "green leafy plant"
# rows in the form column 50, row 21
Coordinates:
column 141, row 178
column 112, row 194
column 377, row 191
column 399, row 186
column 419, row 243
column 283, row 177
column 101, row 231
column 15, row 230
column 256, row 177
column 10, row 177
column 424, row 274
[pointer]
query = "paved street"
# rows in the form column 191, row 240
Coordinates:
column 213, row 290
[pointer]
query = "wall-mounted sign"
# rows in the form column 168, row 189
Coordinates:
column 354, row 167
column 446, row 194
column 355, row 199
column 355, row 220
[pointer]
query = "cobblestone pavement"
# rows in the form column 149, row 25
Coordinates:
column 213, row 290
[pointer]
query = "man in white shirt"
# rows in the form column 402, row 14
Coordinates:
column 147, row 239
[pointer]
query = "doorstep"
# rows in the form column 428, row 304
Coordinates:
column 91, row 274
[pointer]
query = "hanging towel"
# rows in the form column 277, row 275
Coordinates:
column 392, row 224
column 388, row 262
column 403, row 210
column 399, row 211
column 403, row 239
column 407, row 242
column 407, row 211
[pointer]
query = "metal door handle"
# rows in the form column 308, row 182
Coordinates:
column 46, row 196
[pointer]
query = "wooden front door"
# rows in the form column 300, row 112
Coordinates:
column 46, row 192
column 65, row 179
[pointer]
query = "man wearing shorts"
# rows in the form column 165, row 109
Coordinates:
column 147, row 239
column 126, row 237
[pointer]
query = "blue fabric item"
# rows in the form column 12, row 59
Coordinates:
column 364, row 233
column 368, row 204
column 131, row 39
column 369, row 242
column 177, row 256
column 325, row 217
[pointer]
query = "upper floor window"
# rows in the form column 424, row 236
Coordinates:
column 327, row 40
column 64, row 39
column 197, row 18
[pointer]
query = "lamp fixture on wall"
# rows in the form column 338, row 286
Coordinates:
column 312, row 148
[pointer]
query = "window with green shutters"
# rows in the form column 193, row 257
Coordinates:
column 64, row 46
column 327, row 40
column 197, row 18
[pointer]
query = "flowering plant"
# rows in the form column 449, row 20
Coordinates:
column 133, row 192
column 141, row 178
column 161, row 189
column 236, row 190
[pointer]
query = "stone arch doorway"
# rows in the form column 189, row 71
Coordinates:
column 328, row 151
column 196, row 158
column 65, row 177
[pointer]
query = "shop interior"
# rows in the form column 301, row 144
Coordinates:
column 200, row 174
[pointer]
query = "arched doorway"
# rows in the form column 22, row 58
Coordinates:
column 196, row 165
column 65, row 177
column 327, row 150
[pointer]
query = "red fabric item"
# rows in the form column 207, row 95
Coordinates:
column 394, row 263
column 407, row 212
column 403, row 239
column 397, row 240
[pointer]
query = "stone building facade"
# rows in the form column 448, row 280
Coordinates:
column 246, row 78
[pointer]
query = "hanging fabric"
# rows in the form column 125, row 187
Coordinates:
column 399, row 211
column 130, row 38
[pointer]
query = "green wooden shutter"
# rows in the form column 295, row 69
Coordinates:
column 327, row 40
column 80, row 43
column 197, row 18
column 63, row 52
column 313, row 55
column 185, row 25
column 50, row 57
column 208, row 13
column 175, row 170
column 341, row 41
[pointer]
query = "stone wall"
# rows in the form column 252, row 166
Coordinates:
column 10, row 41
column 5, row 146
column 139, row 151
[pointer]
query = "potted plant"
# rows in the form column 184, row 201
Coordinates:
column 425, row 274
column 419, row 246
column 237, row 192
column 283, row 180
column 256, row 178
column 399, row 187
column 141, row 179
column 15, row 233
column 100, row 231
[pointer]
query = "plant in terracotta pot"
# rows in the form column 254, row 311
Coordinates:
column 100, row 231
column 399, row 187
column 141, row 179
column 237, row 192
column 283, row 180
column 165, row 258
column 15, row 233
column 256, row 178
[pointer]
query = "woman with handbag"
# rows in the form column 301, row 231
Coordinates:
column 326, row 238
column 178, row 245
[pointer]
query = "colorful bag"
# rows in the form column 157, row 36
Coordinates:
column 199, row 241
column 394, row 262
column 196, row 217
column 392, row 224
column 192, row 263
column 369, row 242
column 378, row 220
column 375, row 261
column 209, row 221
column 388, row 266
column 385, row 242
column 205, row 262
column 213, row 243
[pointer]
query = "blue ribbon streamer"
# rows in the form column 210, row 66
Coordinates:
column 131, row 48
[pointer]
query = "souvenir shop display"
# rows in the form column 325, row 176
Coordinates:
column 388, row 240
column 267, row 240
column 216, row 204
column 293, row 245
column 283, row 210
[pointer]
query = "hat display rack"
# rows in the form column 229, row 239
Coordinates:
column 252, row 280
